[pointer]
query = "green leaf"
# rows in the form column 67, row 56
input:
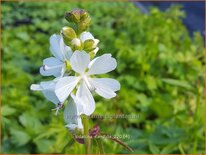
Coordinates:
column 23, row 35
column 167, row 149
column 178, row 83
column 7, row 110
column 30, row 122
column 19, row 137
column 153, row 148
column 43, row 145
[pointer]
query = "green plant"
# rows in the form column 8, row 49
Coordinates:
column 160, row 68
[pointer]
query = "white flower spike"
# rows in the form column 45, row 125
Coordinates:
column 75, row 73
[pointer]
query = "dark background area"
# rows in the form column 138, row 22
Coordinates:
column 195, row 13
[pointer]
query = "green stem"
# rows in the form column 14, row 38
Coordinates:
column 100, row 145
column 85, row 122
column 181, row 149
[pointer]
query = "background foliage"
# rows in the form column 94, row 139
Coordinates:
column 160, row 68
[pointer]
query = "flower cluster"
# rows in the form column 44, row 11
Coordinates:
column 75, row 68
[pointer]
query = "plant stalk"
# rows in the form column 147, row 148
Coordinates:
column 85, row 122
column 100, row 145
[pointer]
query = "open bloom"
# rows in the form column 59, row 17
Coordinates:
column 56, row 65
column 105, row 87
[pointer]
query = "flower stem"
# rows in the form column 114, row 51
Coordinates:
column 100, row 145
column 85, row 122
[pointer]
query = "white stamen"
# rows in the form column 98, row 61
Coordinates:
column 88, row 83
column 59, row 106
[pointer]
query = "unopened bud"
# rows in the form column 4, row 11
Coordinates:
column 79, row 17
column 88, row 44
column 76, row 16
column 84, row 24
column 76, row 44
column 72, row 16
column 68, row 34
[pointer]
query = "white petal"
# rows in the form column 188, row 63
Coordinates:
column 85, row 36
column 65, row 86
column 79, row 61
column 105, row 87
column 48, row 91
column 55, row 46
column 96, row 41
column 79, row 105
column 52, row 66
column 96, row 50
column 102, row 64
column 71, row 116
column 86, row 99
column 65, row 50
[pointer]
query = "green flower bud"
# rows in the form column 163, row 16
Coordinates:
column 80, row 17
column 73, row 16
column 76, row 16
column 68, row 34
column 88, row 44
column 84, row 24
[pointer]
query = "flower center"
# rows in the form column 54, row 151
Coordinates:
column 85, row 78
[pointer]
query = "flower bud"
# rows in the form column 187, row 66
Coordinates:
column 94, row 131
column 68, row 34
column 76, row 44
column 76, row 16
column 90, row 44
column 84, row 24
column 73, row 16
column 80, row 17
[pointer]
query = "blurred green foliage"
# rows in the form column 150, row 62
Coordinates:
column 160, row 68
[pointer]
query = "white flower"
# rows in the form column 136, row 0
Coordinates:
column 56, row 65
column 83, row 37
column 72, row 114
column 48, row 89
column 105, row 87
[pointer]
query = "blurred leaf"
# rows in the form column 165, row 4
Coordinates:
column 179, row 83
column 7, row 110
column 30, row 122
column 154, row 149
column 19, row 137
